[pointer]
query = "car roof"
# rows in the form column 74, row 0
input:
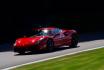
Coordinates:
column 49, row 28
column 42, row 28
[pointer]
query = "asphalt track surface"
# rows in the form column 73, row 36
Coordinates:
column 8, row 58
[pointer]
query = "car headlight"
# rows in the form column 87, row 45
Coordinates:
column 14, row 44
column 19, row 41
column 33, row 41
column 39, row 40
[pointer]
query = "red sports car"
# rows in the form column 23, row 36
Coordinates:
column 48, row 39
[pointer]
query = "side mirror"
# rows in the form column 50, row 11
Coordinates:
column 56, row 35
column 66, row 33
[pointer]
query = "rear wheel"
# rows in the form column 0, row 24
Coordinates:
column 74, row 41
column 50, row 45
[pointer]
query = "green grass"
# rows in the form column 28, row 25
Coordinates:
column 90, row 60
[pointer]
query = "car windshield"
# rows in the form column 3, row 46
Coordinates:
column 47, row 32
column 50, row 32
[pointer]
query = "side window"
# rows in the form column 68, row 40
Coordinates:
column 59, row 35
column 56, row 31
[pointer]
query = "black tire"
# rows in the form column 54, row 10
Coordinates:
column 50, row 45
column 74, row 41
column 21, row 52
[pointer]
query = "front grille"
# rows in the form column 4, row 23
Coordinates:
column 26, row 48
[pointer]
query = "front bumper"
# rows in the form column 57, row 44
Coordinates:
column 26, row 48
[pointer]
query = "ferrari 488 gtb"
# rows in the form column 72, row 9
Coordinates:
column 46, row 39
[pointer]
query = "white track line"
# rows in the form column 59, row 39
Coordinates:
column 52, row 58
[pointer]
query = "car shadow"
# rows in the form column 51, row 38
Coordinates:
column 44, row 52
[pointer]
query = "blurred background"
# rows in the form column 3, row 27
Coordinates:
column 84, row 20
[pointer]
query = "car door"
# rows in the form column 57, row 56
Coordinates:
column 57, row 40
column 67, row 38
column 58, row 37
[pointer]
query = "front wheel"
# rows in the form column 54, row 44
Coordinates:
column 21, row 52
column 50, row 45
column 74, row 41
